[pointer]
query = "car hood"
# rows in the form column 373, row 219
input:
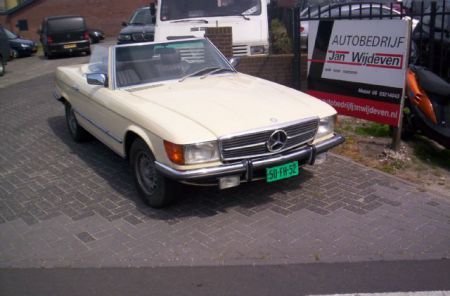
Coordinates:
column 130, row 29
column 21, row 41
column 231, row 103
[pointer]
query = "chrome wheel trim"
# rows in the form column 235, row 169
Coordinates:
column 73, row 125
column 145, row 173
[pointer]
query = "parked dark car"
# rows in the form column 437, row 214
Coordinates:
column 63, row 35
column 96, row 35
column 20, row 47
column 140, row 28
column 4, row 50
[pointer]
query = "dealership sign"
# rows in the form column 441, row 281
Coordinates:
column 359, row 66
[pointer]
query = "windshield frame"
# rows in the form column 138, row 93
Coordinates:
column 113, row 67
column 160, row 8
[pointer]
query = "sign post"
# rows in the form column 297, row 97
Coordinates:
column 359, row 67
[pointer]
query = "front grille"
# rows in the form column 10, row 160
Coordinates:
column 240, row 50
column 143, row 37
column 254, row 144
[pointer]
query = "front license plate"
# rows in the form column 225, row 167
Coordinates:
column 282, row 171
column 70, row 46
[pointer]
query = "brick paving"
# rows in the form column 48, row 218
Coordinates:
column 66, row 204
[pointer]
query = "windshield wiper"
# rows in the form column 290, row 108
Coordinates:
column 191, row 20
column 216, row 70
column 197, row 73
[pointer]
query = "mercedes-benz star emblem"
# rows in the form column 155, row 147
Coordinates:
column 277, row 141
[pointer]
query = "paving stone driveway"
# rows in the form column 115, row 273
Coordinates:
column 66, row 204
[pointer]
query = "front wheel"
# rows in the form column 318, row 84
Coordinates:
column 78, row 133
column 15, row 54
column 2, row 67
column 156, row 190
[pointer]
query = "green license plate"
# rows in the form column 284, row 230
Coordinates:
column 282, row 172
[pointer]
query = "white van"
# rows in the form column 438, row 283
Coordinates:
column 176, row 19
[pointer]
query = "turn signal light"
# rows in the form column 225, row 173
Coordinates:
column 175, row 152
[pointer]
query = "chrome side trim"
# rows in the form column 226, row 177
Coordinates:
column 304, row 153
column 98, row 126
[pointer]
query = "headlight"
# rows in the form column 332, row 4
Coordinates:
column 124, row 37
column 326, row 126
column 192, row 153
column 257, row 50
column 24, row 45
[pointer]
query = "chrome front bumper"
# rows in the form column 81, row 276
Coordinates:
column 247, row 167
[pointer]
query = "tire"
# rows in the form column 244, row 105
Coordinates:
column 156, row 190
column 78, row 133
column 15, row 54
column 2, row 67
column 48, row 55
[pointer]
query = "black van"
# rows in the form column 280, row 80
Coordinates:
column 4, row 50
column 64, row 34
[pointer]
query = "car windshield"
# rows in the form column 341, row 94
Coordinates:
column 182, row 9
column 98, row 62
column 156, row 62
column 10, row 34
column 141, row 17
column 71, row 24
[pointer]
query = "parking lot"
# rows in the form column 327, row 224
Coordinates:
column 64, row 204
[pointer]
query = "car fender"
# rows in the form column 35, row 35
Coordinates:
column 154, row 143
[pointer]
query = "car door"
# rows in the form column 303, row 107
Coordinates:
column 95, row 105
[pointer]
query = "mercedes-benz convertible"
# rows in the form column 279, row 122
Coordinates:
column 180, row 112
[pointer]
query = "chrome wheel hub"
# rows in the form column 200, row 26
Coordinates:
column 146, row 173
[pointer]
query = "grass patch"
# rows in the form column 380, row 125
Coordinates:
column 373, row 129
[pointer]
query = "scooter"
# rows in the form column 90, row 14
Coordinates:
column 428, row 101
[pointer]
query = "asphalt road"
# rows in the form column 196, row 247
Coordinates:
column 298, row 279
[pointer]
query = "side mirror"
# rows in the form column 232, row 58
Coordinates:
column 124, row 24
column 97, row 79
column 235, row 61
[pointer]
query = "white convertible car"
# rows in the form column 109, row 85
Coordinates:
column 180, row 112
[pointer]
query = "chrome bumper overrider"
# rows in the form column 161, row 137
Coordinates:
column 247, row 167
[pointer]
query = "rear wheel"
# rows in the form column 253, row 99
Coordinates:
column 78, row 133
column 155, row 189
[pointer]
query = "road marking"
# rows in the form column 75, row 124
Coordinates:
column 426, row 293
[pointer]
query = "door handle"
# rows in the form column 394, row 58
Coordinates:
column 76, row 88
